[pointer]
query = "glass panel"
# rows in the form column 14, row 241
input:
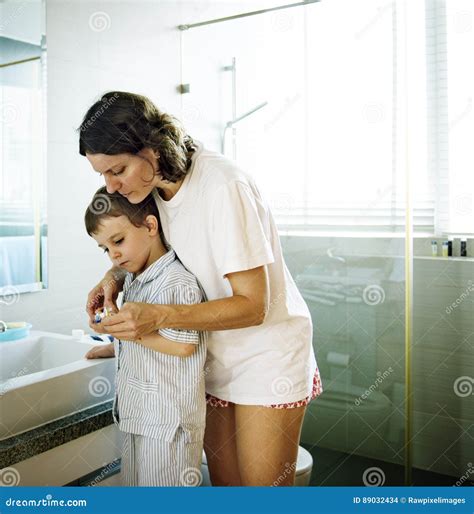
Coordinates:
column 353, row 283
column 443, row 293
column 23, row 228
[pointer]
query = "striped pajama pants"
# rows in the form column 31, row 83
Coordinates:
column 150, row 462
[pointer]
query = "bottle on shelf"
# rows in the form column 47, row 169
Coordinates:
column 445, row 248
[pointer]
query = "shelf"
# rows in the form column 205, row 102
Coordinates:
column 444, row 259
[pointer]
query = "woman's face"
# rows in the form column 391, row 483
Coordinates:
column 133, row 176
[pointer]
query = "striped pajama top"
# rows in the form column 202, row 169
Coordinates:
column 158, row 393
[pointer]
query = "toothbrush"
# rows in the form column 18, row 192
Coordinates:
column 99, row 316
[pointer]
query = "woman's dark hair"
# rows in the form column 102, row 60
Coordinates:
column 123, row 122
column 112, row 205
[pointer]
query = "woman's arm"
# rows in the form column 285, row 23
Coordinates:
column 247, row 307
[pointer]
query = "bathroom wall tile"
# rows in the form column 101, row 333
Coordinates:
column 69, row 33
column 84, row 60
column 442, row 444
column 72, row 86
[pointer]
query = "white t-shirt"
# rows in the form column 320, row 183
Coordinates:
column 218, row 223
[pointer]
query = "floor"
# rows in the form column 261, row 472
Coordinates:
column 330, row 468
column 333, row 468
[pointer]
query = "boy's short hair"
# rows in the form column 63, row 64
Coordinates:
column 111, row 205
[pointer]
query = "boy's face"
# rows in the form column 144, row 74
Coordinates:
column 129, row 247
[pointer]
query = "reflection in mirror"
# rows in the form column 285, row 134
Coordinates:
column 23, row 226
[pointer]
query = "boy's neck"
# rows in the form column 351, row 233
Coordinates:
column 157, row 251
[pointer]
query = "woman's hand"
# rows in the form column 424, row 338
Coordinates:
column 105, row 293
column 101, row 351
column 247, row 307
column 133, row 321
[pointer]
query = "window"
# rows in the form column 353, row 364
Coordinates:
column 458, row 52
column 357, row 93
column 23, row 228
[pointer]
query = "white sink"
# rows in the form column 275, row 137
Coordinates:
column 45, row 377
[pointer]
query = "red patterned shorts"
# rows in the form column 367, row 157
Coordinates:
column 317, row 390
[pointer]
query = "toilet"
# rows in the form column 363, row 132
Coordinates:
column 304, row 465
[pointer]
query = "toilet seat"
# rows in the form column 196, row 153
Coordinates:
column 304, row 462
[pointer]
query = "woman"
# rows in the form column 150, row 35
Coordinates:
column 261, row 371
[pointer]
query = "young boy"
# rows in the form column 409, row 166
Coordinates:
column 160, row 399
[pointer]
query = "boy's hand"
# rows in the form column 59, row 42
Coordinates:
column 101, row 351
column 105, row 293
column 134, row 320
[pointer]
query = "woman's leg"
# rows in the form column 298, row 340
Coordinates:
column 219, row 445
column 267, row 444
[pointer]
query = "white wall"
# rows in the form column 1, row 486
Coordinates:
column 93, row 47
column 138, row 50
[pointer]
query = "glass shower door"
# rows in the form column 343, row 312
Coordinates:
column 325, row 151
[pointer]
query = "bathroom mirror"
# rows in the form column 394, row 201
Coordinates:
column 23, row 225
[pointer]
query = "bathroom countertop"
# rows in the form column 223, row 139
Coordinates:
column 38, row 440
